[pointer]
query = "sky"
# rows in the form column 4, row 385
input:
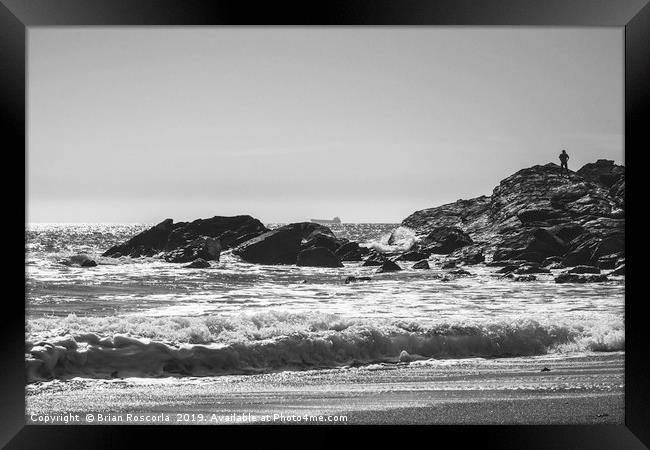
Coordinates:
column 131, row 124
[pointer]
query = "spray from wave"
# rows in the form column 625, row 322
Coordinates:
column 209, row 345
column 400, row 239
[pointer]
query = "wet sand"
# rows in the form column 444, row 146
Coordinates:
column 576, row 390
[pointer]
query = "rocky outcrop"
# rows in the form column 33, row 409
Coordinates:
column 444, row 240
column 147, row 243
column 617, row 192
column 467, row 215
column 375, row 259
column 583, row 269
column 279, row 246
column 468, row 255
column 413, row 256
column 620, row 270
column 179, row 241
column 198, row 263
column 536, row 214
column 184, row 242
column 316, row 243
column 575, row 278
column 524, row 278
column 424, row 264
column 460, row 272
column 318, row 257
column 350, row 251
column 603, row 172
column 80, row 260
column 205, row 248
column 230, row 230
column 388, row 266
column 353, row 279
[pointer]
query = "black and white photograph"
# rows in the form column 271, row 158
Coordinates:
column 325, row 225
column 317, row 225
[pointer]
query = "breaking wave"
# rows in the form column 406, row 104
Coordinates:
column 272, row 341
column 400, row 239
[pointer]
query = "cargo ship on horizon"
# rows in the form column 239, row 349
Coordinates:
column 335, row 220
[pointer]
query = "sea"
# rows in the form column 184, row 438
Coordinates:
column 241, row 318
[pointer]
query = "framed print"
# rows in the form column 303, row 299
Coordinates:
column 356, row 213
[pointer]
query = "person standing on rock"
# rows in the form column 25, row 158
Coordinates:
column 564, row 157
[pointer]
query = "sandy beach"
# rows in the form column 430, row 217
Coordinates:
column 576, row 389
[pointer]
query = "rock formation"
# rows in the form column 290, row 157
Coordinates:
column 186, row 241
column 535, row 214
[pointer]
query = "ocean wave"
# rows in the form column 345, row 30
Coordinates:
column 272, row 341
column 398, row 240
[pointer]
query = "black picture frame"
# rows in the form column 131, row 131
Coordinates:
column 633, row 15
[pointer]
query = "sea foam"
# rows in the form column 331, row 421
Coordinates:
column 202, row 346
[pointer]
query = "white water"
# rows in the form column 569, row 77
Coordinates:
column 276, row 317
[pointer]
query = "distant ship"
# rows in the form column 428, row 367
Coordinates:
column 335, row 220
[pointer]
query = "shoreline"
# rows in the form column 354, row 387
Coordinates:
column 579, row 389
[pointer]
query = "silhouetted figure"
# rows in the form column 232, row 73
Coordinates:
column 564, row 157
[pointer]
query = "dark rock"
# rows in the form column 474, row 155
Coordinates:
column 388, row 266
column 545, row 369
column 228, row 229
column 460, row 272
column 591, row 247
column 568, row 231
column 80, row 260
column 576, row 278
column 168, row 236
column 524, row 278
column 502, row 254
column 579, row 256
column 350, row 251
column 353, row 279
column 608, row 262
column 322, row 240
column 537, row 215
column 584, row 269
column 617, row 192
column 198, row 263
column 375, row 259
column 318, row 257
column 424, row 264
column 232, row 239
column 469, row 255
column 579, row 218
column 461, row 214
column 205, row 248
column 498, row 263
column 508, row 269
column 545, row 242
column 279, row 246
column 148, row 243
column 551, row 260
column 449, row 265
column 603, row 171
column 354, row 255
column 620, row 270
column 612, row 245
column 412, row 256
column 444, row 240
column 533, row 257
column 309, row 230
column 347, row 248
